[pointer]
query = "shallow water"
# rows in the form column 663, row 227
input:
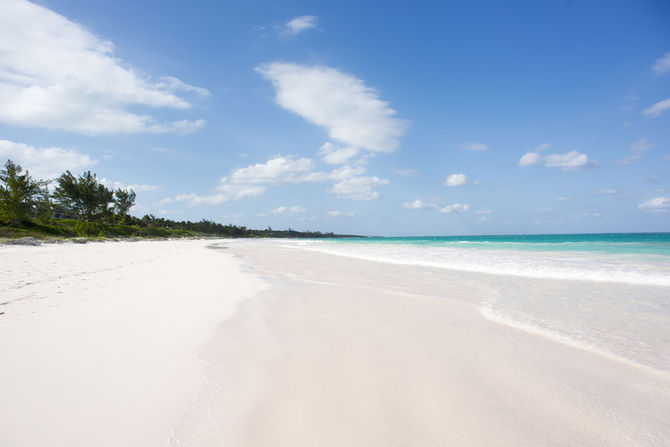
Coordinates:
column 606, row 293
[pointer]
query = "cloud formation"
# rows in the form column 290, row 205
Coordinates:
column 137, row 187
column 336, row 155
column 455, row 208
column 657, row 204
column 287, row 210
column 455, row 180
column 350, row 111
column 299, row 24
column 637, row 149
column 419, row 204
column 338, row 213
column 569, row 161
column 358, row 188
column 277, row 170
column 55, row 74
column 253, row 180
column 662, row 64
column 44, row 163
column 657, row 109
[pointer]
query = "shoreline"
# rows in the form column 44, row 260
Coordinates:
column 277, row 346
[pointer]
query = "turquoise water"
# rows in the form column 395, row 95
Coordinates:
column 614, row 243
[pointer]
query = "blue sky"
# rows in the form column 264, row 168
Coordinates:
column 380, row 118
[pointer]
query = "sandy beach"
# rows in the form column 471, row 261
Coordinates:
column 255, row 343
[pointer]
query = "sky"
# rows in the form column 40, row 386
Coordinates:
column 374, row 118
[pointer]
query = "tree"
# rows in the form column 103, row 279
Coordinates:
column 124, row 200
column 84, row 195
column 18, row 193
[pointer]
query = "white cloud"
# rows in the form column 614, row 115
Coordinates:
column 474, row 147
column 533, row 158
column 228, row 193
column 455, row 208
column 253, row 180
column 137, row 187
column 171, row 83
column 662, row 64
column 608, row 191
column 407, row 172
column 637, row 150
column 418, row 204
column 658, row 204
column 530, row 159
column 338, row 213
column 352, row 112
column 455, row 180
column 287, row 210
column 337, row 155
column 568, row 162
column 484, row 212
column 56, row 74
column 561, row 199
column 657, row 109
column 277, row 170
column 44, row 163
column 299, row 24
column 358, row 188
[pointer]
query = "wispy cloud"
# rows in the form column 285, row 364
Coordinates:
column 287, row 210
column 657, row 109
column 407, row 172
column 474, row 147
column 56, row 74
column 662, row 64
column 297, row 25
column 44, row 163
column 137, row 187
column 338, row 213
column 607, row 191
column 336, row 155
column 655, row 205
column 636, row 150
column 455, row 180
column 350, row 111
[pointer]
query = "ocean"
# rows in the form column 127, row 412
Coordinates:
column 609, row 293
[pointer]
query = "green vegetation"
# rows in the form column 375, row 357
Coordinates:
column 81, row 207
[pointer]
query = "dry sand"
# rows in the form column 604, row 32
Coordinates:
column 177, row 343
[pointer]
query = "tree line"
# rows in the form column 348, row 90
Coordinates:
column 94, row 207
column 23, row 198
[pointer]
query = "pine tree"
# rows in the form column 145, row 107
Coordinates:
column 18, row 193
